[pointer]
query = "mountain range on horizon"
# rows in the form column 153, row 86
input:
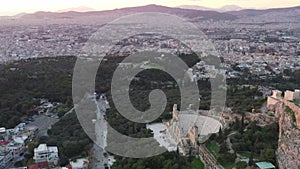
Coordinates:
column 88, row 15
column 224, row 9
column 187, row 13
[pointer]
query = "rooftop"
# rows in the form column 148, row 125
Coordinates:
column 2, row 130
column 265, row 165
column 53, row 149
column 41, row 147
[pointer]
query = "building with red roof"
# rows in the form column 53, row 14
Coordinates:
column 43, row 165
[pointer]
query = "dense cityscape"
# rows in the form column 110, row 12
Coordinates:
column 264, row 52
column 259, row 53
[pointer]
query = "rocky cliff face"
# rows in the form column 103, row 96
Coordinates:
column 288, row 152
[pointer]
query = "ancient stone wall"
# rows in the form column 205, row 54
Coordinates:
column 272, row 101
column 289, row 95
column 193, row 135
column 288, row 152
column 297, row 95
column 295, row 109
column 208, row 159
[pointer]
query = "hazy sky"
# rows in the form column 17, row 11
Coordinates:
column 11, row 7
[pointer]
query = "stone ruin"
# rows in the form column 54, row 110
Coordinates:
column 189, row 129
column 288, row 100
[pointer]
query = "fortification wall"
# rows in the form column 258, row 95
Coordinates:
column 288, row 152
column 272, row 101
column 289, row 95
column 295, row 109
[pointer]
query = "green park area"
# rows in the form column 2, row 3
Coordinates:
column 197, row 164
column 213, row 148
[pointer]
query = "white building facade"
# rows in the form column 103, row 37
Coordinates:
column 44, row 153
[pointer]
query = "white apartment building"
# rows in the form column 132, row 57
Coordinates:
column 43, row 153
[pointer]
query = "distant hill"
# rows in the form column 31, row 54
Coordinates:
column 226, row 8
column 196, row 7
column 87, row 17
column 20, row 15
column 257, row 12
column 77, row 9
column 194, row 15
column 14, row 16
column 189, row 13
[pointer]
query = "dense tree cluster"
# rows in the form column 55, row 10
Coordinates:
column 168, row 160
column 22, row 83
column 70, row 138
column 259, row 142
column 248, row 140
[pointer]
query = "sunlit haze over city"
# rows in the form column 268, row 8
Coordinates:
column 12, row 7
